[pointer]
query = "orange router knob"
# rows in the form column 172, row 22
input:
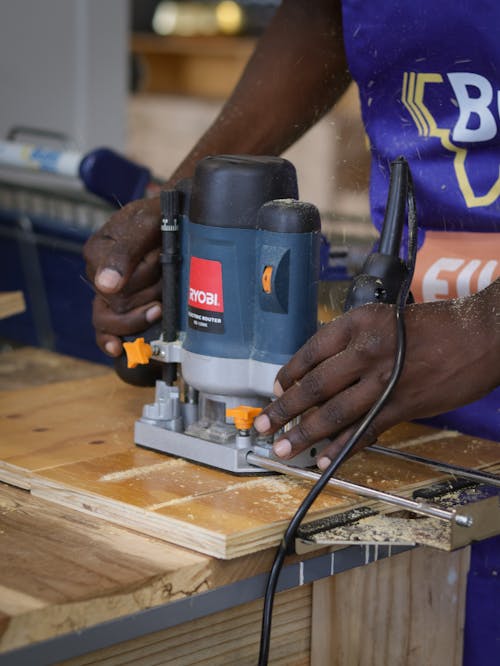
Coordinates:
column 138, row 352
column 267, row 276
column 243, row 416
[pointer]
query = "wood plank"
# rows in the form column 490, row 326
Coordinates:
column 226, row 638
column 72, row 443
column 405, row 611
column 63, row 571
column 73, row 570
column 60, row 423
column 25, row 367
column 11, row 303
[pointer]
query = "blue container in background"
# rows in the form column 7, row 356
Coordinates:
column 41, row 255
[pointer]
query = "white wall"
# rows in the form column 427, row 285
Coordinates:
column 63, row 66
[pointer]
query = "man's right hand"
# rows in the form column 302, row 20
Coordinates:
column 123, row 263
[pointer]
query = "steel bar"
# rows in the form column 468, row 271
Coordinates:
column 403, row 502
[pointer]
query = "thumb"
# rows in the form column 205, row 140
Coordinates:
column 113, row 253
column 108, row 280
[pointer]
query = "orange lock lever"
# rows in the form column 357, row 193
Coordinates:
column 138, row 352
column 243, row 416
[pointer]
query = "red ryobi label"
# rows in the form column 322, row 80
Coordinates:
column 205, row 300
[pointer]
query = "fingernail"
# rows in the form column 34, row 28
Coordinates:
column 108, row 278
column 282, row 448
column 277, row 389
column 323, row 463
column 262, row 423
column 112, row 348
column 153, row 313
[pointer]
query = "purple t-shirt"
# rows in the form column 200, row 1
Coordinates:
column 429, row 82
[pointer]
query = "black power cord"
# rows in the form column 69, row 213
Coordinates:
column 289, row 536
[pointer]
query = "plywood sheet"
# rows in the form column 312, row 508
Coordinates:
column 72, row 443
column 65, row 422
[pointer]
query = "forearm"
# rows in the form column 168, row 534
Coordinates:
column 296, row 74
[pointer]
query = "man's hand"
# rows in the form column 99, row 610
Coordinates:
column 334, row 379
column 123, row 264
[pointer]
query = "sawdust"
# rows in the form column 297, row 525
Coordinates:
column 146, row 470
column 190, row 498
column 444, row 434
column 382, row 529
column 261, row 481
column 7, row 506
column 277, row 487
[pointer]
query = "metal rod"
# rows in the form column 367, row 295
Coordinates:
column 411, row 505
column 170, row 209
column 465, row 472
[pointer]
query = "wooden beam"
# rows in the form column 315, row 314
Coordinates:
column 61, row 571
column 11, row 303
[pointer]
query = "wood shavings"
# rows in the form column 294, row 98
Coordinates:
column 146, row 470
column 383, row 529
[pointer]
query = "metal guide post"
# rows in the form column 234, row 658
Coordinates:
column 411, row 505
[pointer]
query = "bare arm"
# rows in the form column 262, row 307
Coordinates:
column 297, row 73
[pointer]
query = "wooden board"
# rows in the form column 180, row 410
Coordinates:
column 11, row 303
column 52, row 557
column 223, row 639
column 72, row 443
column 407, row 610
column 62, row 571
column 24, row 367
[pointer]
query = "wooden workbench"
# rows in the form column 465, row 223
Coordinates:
column 72, row 583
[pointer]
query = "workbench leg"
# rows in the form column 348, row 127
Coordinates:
column 407, row 610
